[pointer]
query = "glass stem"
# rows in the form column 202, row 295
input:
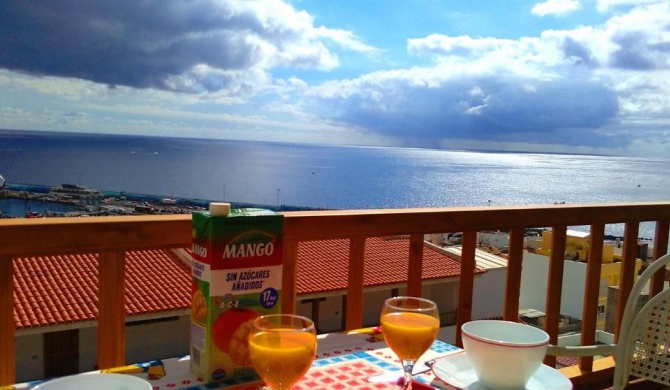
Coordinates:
column 408, row 366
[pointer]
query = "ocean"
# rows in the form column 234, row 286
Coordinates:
column 325, row 176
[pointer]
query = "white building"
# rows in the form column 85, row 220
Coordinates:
column 534, row 280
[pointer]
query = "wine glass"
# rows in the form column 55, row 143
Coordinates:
column 282, row 348
column 410, row 326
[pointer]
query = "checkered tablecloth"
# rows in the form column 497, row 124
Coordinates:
column 346, row 361
column 343, row 361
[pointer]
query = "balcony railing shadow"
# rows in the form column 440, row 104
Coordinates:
column 111, row 237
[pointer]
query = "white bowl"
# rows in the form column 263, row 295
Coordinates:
column 96, row 382
column 504, row 354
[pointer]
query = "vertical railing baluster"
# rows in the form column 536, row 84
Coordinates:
column 7, row 343
column 466, row 283
column 289, row 291
column 592, row 292
column 111, row 310
column 415, row 265
column 660, row 249
column 555, row 288
column 355, row 289
column 513, row 278
column 627, row 271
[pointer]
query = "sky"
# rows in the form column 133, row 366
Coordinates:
column 555, row 76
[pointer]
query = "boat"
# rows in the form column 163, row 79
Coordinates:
column 2, row 182
column 76, row 194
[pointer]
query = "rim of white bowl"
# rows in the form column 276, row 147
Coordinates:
column 486, row 340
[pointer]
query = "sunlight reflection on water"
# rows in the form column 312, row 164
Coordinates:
column 332, row 176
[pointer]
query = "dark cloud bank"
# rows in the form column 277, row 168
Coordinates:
column 124, row 42
column 561, row 111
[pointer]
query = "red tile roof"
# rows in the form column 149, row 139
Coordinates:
column 323, row 264
column 52, row 290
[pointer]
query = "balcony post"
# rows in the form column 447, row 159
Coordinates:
column 592, row 292
column 289, row 277
column 7, row 326
column 466, row 283
column 627, row 277
column 415, row 265
column 555, row 288
column 354, row 309
column 513, row 277
column 660, row 249
column 111, row 310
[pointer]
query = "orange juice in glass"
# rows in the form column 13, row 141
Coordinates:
column 410, row 326
column 282, row 348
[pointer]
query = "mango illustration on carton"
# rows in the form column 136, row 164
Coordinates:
column 237, row 273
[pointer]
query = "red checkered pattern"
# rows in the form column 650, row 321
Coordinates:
column 348, row 375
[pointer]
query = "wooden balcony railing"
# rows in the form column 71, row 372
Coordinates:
column 111, row 237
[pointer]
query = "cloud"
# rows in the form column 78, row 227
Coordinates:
column 17, row 118
column 507, row 109
column 556, row 7
column 579, row 53
column 641, row 38
column 191, row 46
column 565, row 87
column 609, row 5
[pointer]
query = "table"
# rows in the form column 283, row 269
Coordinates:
column 344, row 361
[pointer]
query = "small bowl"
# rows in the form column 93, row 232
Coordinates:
column 504, row 354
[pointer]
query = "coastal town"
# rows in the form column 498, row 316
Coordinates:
column 75, row 200
column 85, row 202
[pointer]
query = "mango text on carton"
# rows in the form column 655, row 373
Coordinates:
column 248, row 250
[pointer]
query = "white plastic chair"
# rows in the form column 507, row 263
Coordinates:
column 643, row 348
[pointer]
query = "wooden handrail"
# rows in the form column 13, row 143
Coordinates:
column 314, row 225
column 20, row 237
column 111, row 237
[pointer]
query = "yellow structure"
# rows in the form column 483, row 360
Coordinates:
column 576, row 246
column 577, row 249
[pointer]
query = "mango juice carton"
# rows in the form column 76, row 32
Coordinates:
column 237, row 272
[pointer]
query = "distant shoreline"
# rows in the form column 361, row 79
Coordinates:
column 122, row 203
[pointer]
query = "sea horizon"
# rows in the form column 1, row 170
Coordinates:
column 327, row 176
column 7, row 132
